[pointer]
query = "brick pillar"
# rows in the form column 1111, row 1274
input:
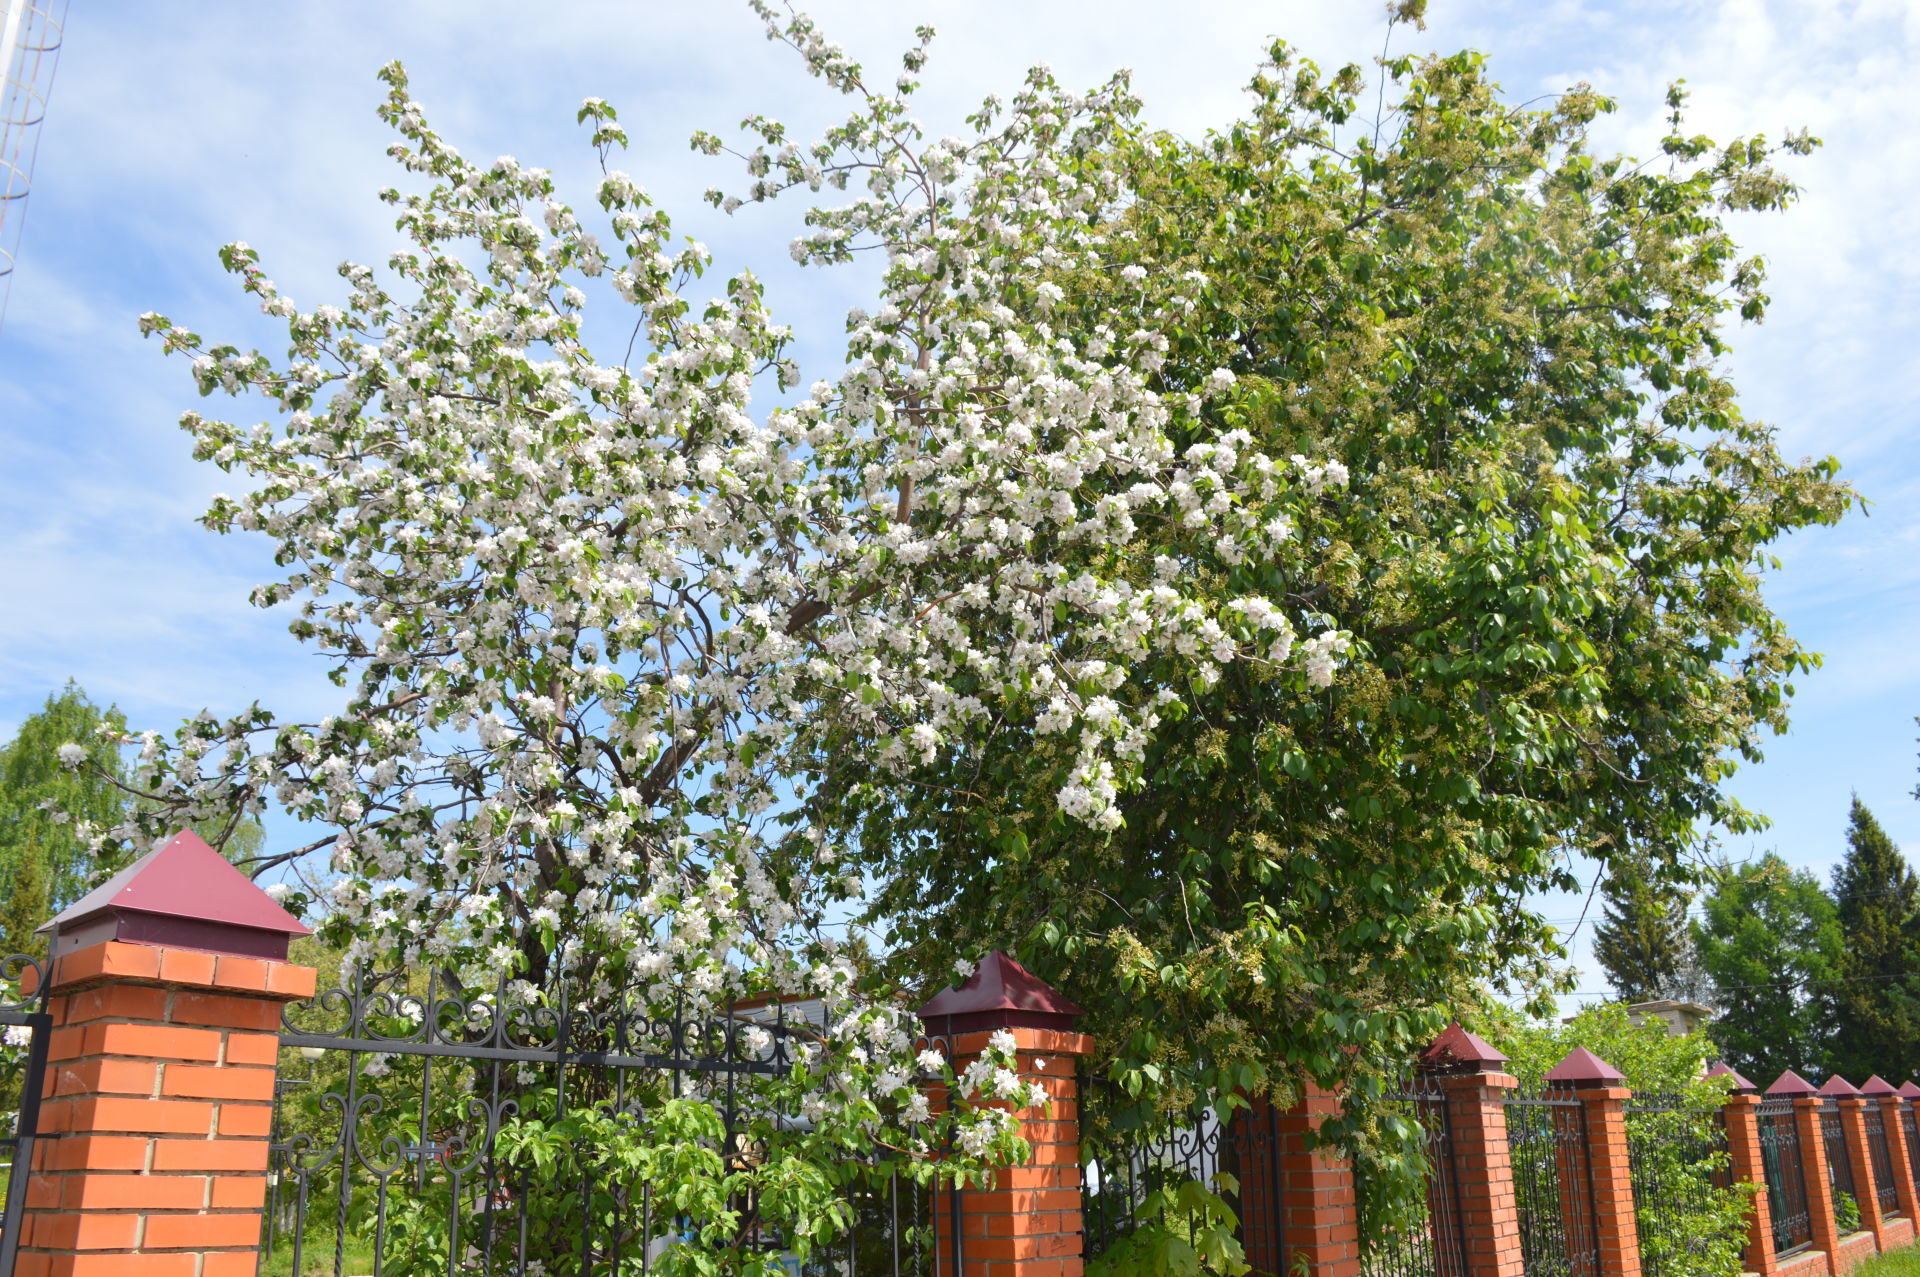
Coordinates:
column 1892, row 1110
column 1853, row 1119
column 152, row 1155
column 165, row 989
column 1488, row 1222
column 1748, row 1165
column 1322, row 1224
column 1603, row 1096
column 1027, row 1220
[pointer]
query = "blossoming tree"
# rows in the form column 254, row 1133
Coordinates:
column 599, row 621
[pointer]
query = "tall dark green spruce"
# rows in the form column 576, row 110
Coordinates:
column 1642, row 940
column 1876, row 895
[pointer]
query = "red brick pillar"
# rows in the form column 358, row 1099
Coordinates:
column 1027, row 1220
column 152, row 1152
column 1322, row 1224
column 1488, row 1222
column 1893, row 1116
column 1603, row 1096
column 1747, row 1165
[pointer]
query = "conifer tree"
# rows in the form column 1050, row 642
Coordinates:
column 1876, row 895
column 1641, row 941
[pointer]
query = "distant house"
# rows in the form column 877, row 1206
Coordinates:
column 1681, row 1018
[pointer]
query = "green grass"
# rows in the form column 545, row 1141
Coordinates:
column 316, row 1257
column 1904, row 1262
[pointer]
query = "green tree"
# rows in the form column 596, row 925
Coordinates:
column 1641, row 941
column 1674, row 1127
column 1544, row 532
column 50, row 807
column 1875, row 897
column 27, row 902
column 1769, row 941
column 1234, row 575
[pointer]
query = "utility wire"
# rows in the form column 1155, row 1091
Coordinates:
column 1766, row 984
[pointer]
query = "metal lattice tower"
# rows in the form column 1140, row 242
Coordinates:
column 29, row 48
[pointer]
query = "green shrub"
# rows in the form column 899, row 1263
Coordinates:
column 1846, row 1212
column 1691, row 1222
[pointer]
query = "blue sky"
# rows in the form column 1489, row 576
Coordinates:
column 174, row 129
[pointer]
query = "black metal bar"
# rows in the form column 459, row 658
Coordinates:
column 1911, row 1125
column 1839, row 1158
column 1881, row 1161
column 1678, row 1160
column 39, row 1025
column 409, row 1124
column 1547, row 1137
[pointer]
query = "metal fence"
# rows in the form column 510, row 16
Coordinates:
column 25, row 1026
column 1881, row 1159
column 1911, row 1124
column 445, row 1132
column 1833, row 1133
column 1552, row 1183
column 1786, row 1177
column 1429, row 1243
column 1130, row 1171
column 1677, row 1155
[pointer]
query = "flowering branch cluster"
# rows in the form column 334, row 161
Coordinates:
column 598, row 620
column 593, row 616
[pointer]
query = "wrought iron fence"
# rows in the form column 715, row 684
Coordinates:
column 1128, row 1172
column 1786, row 1176
column 1833, row 1133
column 443, row 1132
column 1880, row 1160
column 1911, row 1125
column 24, row 1027
column 1677, row 1156
column 1428, row 1244
column 1552, row 1183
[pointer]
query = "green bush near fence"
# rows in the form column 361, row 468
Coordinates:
column 1693, row 1222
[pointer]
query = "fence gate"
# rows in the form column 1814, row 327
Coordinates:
column 25, row 1027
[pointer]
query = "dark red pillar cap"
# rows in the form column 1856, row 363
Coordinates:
column 1458, row 1051
column 1877, row 1085
column 1000, row 994
column 182, row 894
column 1790, row 1083
column 1723, row 1069
column 1582, row 1069
column 1837, row 1086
